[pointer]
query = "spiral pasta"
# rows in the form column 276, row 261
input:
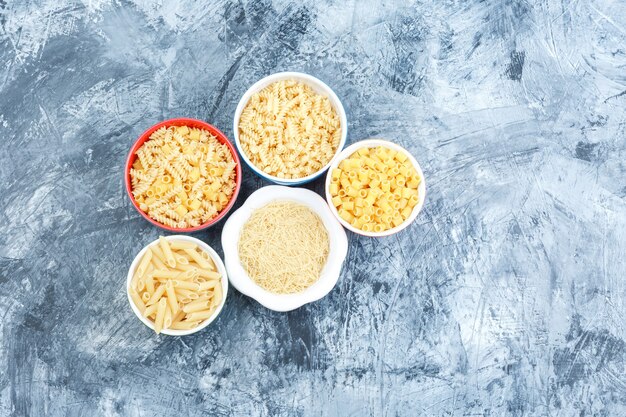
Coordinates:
column 289, row 131
column 172, row 179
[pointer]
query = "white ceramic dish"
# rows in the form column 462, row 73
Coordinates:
column 218, row 264
column 319, row 87
column 372, row 143
column 330, row 274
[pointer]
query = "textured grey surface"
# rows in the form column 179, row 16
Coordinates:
column 506, row 297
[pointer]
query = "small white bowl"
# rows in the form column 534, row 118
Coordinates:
column 220, row 268
column 317, row 86
column 372, row 143
column 330, row 273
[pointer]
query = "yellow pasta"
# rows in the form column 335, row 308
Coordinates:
column 181, row 296
column 179, row 244
column 184, row 325
column 287, row 130
column 375, row 189
column 171, row 296
column 160, row 315
column 156, row 296
column 205, row 273
column 208, row 285
column 150, row 311
column 200, row 315
column 137, row 300
column 172, row 169
column 198, row 259
column 283, row 247
column 167, row 252
column 143, row 265
column 187, row 286
column 197, row 305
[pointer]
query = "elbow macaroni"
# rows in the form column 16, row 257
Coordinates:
column 375, row 189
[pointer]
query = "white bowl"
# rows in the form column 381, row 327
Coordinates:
column 372, row 143
column 330, row 273
column 218, row 264
column 317, row 86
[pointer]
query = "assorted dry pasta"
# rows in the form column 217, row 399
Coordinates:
column 287, row 130
column 176, row 285
column 183, row 176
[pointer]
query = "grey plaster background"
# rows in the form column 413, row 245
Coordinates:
column 506, row 297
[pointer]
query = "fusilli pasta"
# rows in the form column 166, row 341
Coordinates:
column 183, row 176
column 288, row 130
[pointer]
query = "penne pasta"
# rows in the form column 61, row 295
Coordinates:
column 205, row 294
column 179, row 245
column 157, row 295
column 189, row 274
column 178, row 297
column 160, row 315
column 164, row 273
column 150, row 310
column 199, row 259
column 158, row 254
column 171, row 296
column 180, row 259
column 135, row 279
column 167, row 321
column 178, row 316
column 149, row 284
column 206, row 256
column 197, row 305
column 158, row 264
column 187, row 285
column 217, row 295
column 167, row 251
column 141, row 284
column 184, row 325
column 137, row 300
column 145, row 261
column 209, row 274
column 187, row 266
column 186, row 294
column 200, row 315
column 138, row 282
column 208, row 285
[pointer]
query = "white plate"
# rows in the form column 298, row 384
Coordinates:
column 330, row 273
column 372, row 143
column 218, row 264
column 317, row 86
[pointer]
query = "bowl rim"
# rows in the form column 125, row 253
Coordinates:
column 218, row 263
column 372, row 143
column 320, row 87
column 338, row 243
column 183, row 121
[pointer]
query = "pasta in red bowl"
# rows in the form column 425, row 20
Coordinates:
column 183, row 175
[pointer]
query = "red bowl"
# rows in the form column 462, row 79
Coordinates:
column 132, row 155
